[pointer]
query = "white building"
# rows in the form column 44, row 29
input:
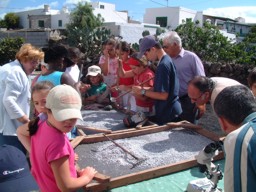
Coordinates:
column 57, row 19
column 116, row 21
column 169, row 17
column 172, row 17
column 109, row 13
column 130, row 32
column 43, row 18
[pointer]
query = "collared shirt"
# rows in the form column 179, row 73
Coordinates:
column 188, row 65
column 239, row 146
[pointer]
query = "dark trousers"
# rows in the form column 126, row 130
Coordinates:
column 189, row 109
column 11, row 140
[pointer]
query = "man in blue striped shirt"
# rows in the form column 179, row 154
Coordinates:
column 235, row 107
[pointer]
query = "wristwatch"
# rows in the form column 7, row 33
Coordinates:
column 143, row 92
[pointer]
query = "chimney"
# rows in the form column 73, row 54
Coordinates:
column 46, row 8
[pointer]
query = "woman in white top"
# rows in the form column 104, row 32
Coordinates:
column 15, row 93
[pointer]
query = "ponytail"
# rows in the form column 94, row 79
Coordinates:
column 33, row 126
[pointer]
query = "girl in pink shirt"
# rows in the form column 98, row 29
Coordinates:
column 51, row 154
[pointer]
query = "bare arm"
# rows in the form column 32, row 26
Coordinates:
column 67, row 79
column 65, row 182
column 150, row 93
column 122, row 73
column 24, row 137
column 105, row 66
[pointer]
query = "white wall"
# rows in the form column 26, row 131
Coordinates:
column 174, row 15
column 109, row 12
column 112, row 16
column 108, row 6
column 131, row 33
column 23, row 16
column 55, row 20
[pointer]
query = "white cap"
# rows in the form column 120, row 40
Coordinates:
column 94, row 70
column 64, row 102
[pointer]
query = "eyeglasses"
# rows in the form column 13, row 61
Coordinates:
column 34, row 62
column 196, row 99
column 165, row 46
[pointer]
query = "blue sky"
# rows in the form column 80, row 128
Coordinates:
column 136, row 8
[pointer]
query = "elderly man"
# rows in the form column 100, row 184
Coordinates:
column 188, row 65
column 235, row 107
column 166, row 83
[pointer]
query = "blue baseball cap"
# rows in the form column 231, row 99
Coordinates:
column 14, row 171
column 146, row 43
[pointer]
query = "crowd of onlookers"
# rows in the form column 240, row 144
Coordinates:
column 175, row 89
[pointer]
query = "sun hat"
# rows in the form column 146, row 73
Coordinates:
column 94, row 70
column 64, row 102
column 146, row 43
column 14, row 171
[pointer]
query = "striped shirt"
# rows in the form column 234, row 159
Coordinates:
column 240, row 150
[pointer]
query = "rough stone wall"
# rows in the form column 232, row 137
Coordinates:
column 34, row 19
column 234, row 71
column 36, row 38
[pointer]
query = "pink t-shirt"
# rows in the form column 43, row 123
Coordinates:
column 111, row 78
column 47, row 145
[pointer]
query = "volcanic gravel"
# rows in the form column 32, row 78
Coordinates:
column 111, row 120
column 153, row 150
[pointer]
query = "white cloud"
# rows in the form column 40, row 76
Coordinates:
column 247, row 12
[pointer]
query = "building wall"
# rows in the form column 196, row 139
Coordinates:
column 112, row 16
column 237, row 28
column 24, row 17
column 34, row 21
column 64, row 17
column 131, row 33
column 28, row 18
column 175, row 15
column 107, row 6
column 36, row 38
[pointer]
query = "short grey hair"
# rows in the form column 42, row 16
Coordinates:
column 172, row 37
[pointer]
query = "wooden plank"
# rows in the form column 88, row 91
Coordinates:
column 149, row 173
column 101, row 178
column 141, row 123
column 145, row 175
column 184, row 124
column 76, row 141
column 98, row 130
column 149, row 130
column 81, row 132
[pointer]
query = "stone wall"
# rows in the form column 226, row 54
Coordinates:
column 36, row 38
column 235, row 71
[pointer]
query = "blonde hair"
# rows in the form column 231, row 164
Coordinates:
column 28, row 52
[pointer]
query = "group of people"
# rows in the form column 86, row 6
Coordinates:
column 57, row 101
column 176, row 90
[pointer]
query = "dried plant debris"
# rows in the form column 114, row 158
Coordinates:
column 153, row 150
